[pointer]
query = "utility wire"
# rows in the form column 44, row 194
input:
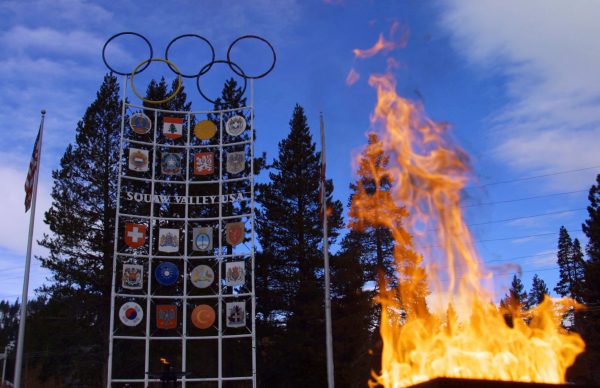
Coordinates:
column 462, row 274
column 520, row 257
column 509, row 260
column 507, row 238
column 523, row 199
column 539, row 176
column 525, row 217
column 517, row 218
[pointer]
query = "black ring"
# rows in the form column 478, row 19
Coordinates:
column 251, row 76
column 209, row 65
column 125, row 33
column 202, row 71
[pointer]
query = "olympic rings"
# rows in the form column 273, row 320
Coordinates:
column 209, row 65
column 251, row 37
column 147, row 62
column 202, row 71
column 125, row 33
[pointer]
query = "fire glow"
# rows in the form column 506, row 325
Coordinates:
column 469, row 336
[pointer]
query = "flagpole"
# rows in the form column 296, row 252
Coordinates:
column 328, row 333
column 23, row 312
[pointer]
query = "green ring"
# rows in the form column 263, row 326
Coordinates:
column 179, row 83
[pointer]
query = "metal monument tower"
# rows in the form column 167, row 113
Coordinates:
column 184, row 242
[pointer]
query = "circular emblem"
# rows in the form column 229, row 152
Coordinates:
column 140, row 123
column 166, row 273
column 203, row 316
column 131, row 314
column 202, row 276
column 205, row 129
column 235, row 125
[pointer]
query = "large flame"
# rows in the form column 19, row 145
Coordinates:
column 469, row 337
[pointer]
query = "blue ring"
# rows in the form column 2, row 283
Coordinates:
column 126, row 33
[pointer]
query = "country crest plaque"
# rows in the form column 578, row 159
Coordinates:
column 234, row 274
column 135, row 235
column 204, row 163
column 203, row 316
column 202, row 276
column 235, row 313
column 173, row 127
column 138, row 160
column 133, row 276
column 168, row 240
column 140, row 123
column 166, row 273
column 205, row 130
column 166, row 316
column 202, row 239
column 131, row 314
column 170, row 164
column 236, row 162
column 235, row 125
column 234, row 233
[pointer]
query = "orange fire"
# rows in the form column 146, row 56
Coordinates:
column 465, row 335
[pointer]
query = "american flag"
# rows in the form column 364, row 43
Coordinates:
column 33, row 166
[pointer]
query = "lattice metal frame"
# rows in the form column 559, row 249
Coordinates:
column 117, row 299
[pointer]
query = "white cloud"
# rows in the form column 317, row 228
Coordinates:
column 44, row 39
column 14, row 230
column 67, row 12
column 547, row 50
column 13, row 234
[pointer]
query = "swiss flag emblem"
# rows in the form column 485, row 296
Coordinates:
column 135, row 235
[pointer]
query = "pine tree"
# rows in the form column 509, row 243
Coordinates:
column 81, row 220
column 538, row 291
column 376, row 214
column 571, row 264
column 290, row 268
column 515, row 302
column 381, row 243
column 377, row 253
column 589, row 319
column 352, row 315
column 591, row 228
column 9, row 322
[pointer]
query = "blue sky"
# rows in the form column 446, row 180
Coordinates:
column 517, row 81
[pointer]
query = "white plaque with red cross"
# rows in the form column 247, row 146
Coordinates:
column 135, row 235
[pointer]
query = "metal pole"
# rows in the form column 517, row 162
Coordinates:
column 328, row 333
column 116, row 240
column 220, row 260
column 23, row 312
column 253, row 248
column 4, row 364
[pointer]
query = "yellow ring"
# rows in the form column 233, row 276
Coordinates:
column 179, row 84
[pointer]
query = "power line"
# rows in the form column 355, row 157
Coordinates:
column 461, row 275
column 509, row 238
column 539, row 176
column 532, row 270
column 505, row 260
column 517, row 218
column 525, row 236
column 523, row 199
column 525, row 217
column 519, row 257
